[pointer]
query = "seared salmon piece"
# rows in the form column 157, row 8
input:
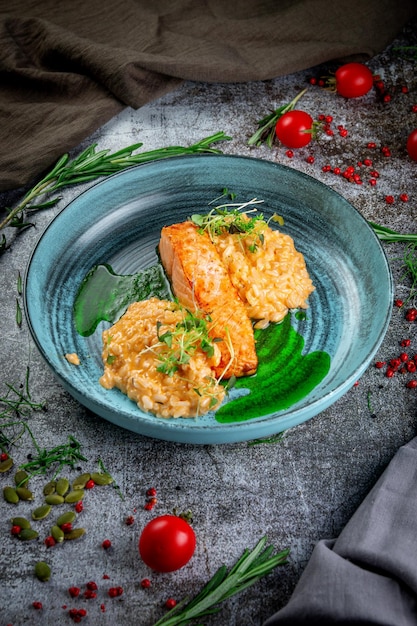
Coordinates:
column 200, row 281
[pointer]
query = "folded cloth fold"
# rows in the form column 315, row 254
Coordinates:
column 368, row 575
column 67, row 68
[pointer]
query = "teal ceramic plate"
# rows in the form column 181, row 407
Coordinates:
column 118, row 222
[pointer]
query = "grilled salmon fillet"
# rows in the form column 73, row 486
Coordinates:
column 200, row 281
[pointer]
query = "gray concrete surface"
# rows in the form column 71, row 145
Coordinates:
column 297, row 491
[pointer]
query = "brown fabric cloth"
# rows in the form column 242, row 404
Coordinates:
column 68, row 67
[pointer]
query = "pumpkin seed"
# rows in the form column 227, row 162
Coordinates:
column 75, row 533
column 102, row 478
column 57, row 533
column 80, row 481
column 41, row 512
column 10, row 495
column 42, row 571
column 62, row 486
column 66, row 518
column 27, row 534
column 49, row 488
column 74, row 496
column 6, row 464
column 21, row 477
column 20, row 521
column 24, row 493
column 54, row 498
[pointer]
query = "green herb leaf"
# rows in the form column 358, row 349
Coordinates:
column 391, row 236
column 18, row 313
column 19, row 284
column 252, row 565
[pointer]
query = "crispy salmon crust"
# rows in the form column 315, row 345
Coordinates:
column 200, row 281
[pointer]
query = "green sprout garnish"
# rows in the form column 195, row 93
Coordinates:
column 230, row 218
column 190, row 334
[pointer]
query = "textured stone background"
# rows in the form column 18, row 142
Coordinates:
column 297, row 491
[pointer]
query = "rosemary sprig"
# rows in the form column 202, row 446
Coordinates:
column 92, row 164
column 252, row 565
column 410, row 267
column 266, row 125
column 392, row 236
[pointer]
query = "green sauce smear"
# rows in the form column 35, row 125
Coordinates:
column 105, row 296
column 284, row 377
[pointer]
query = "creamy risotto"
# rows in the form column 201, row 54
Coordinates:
column 269, row 273
column 133, row 355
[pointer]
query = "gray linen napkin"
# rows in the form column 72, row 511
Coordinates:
column 369, row 574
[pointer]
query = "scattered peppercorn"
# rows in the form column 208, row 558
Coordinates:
column 115, row 592
column 170, row 603
column 74, row 592
column 49, row 541
column 106, row 544
column 92, row 585
column 77, row 614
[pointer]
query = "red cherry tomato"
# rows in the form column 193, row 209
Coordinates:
column 294, row 129
column 353, row 80
column 412, row 145
column 167, row 543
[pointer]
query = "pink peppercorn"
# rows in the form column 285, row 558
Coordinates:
column 106, row 544
column 74, row 592
column 115, row 592
column 92, row 585
column 145, row 583
column 170, row 603
column 49, row 541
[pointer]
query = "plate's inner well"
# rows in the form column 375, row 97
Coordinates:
column 118, row 222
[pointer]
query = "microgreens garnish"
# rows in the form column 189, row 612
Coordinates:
column 18, row 403
column 252, row 565
column 88, row 166
column 230, row 218
column 57, row 457
column 181, row 343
